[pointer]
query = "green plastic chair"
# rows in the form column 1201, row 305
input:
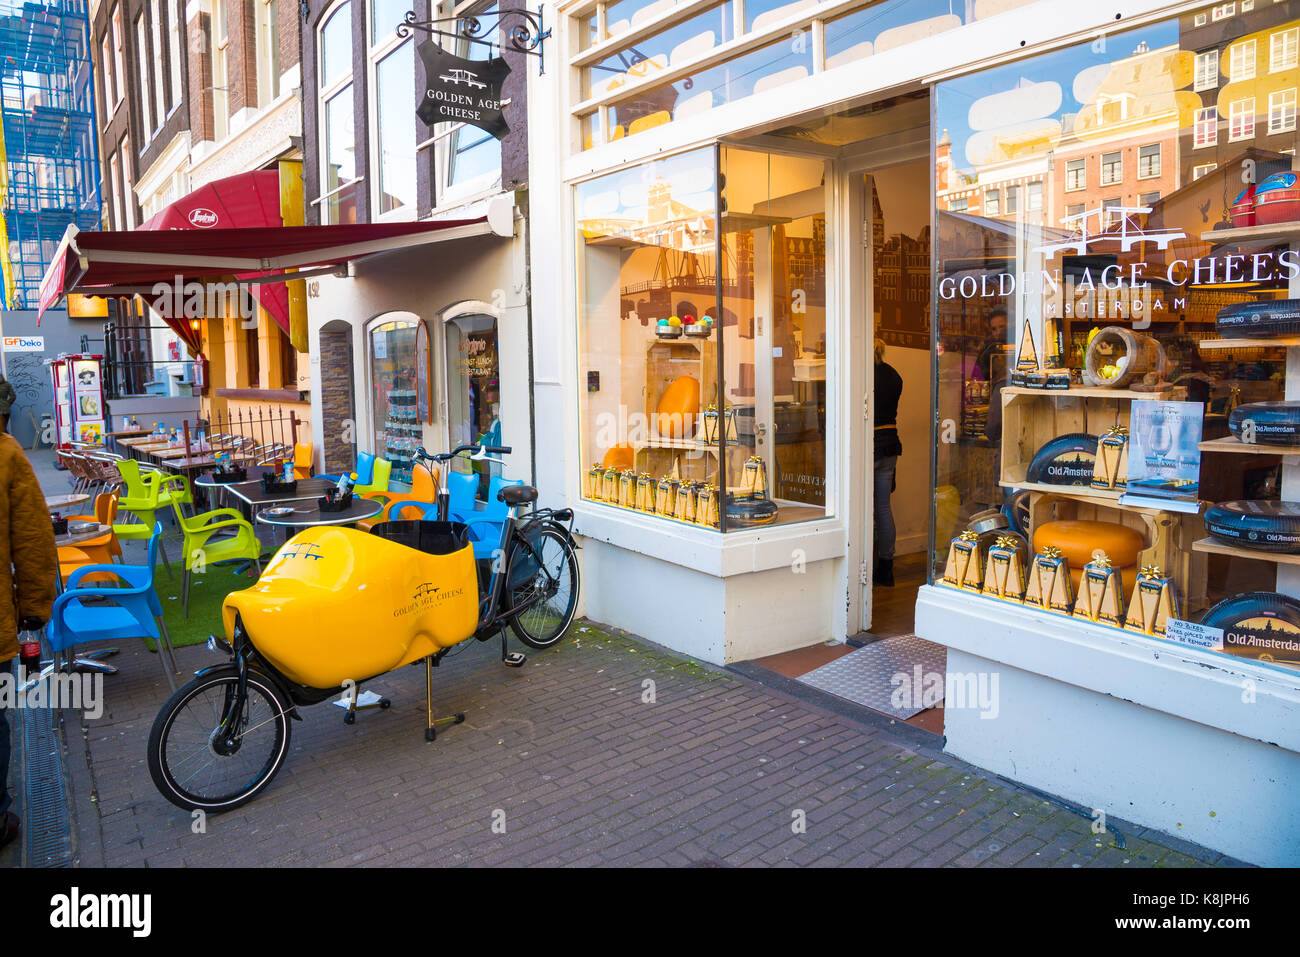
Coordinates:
column 142, row 495
column 379, row 476
column 202, row 548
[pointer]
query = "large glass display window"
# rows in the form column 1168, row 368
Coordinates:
column 1117, row 303
column 702, row 336
column 394, row 395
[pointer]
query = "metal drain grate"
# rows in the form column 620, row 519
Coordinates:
column 46, row 822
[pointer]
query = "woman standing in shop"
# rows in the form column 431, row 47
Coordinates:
column 888, row 447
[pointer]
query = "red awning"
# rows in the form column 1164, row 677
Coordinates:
column 237, row 202
column 135, row 262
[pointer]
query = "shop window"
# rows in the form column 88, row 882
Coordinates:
column 1076, row 174
column 473, row 386
column 397, row 429
column 1281, row 111
column 1116, row 319
column 1207, row 70
column 673, row 46
column 1112, row 168
column 703, row 352
column 884, row 26
column 1149, row 161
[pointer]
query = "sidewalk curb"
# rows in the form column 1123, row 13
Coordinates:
column 87, row 835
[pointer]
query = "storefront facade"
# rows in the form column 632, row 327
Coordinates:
column 813, row 178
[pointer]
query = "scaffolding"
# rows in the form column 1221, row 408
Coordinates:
column 49, row 158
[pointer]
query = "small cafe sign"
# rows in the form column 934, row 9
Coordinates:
column 462, row 91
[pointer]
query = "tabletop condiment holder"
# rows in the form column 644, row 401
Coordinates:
column 227, row 477
column 60, row 523
column 331, row 501
column 272, row 484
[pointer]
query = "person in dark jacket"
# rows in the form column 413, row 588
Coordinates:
column 888, row 447
column 7, row 399
column 27, row 572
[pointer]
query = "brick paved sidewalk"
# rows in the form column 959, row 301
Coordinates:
column 583, row 771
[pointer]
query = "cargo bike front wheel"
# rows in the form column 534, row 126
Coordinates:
column 213, row 747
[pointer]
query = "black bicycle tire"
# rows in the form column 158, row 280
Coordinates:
column 571, row 559
column 1258, row 526
column 1275, row 423
column 166, row 718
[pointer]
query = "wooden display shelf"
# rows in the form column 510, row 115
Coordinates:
column 1215, row 547
column 1086, row 392
column 1087, row 495
column 1281, row 342
column 687, row 445
column 1283, row 232
column 1230, row 443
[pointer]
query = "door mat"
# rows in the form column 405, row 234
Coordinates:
column 883, row 675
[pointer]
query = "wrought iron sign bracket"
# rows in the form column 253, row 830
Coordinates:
column 525, row 34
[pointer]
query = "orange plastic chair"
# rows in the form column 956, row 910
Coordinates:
column 424, row 488
column 98, row 551
column 302, row 460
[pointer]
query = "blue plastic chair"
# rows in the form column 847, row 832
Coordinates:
column 365, row 469
column 463, row 487
column 136, row 611
column 484, row 524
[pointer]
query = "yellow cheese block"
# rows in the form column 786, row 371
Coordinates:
column 1127, row 575
column 1079, row 539
column 678, row 407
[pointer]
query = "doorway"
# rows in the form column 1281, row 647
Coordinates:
column 896, row 310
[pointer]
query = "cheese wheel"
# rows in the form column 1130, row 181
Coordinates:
column 1078, row 539
column 678, row 408
column 619, row 457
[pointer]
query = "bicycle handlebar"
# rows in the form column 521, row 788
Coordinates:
column 478, row 452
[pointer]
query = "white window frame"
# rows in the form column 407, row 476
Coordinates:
column 1284, row 50
column 1034, row 199
column 1207, row 71
column 376, row 53
column 128, row 187
column 119, row 58
column 1119, row 165
column 266, row 33
column 114, row 172
column 159, row 68
column 110, row 85
column 1207, row 118
column 1223, row 11
column 1204, row 169
column 220, row 70
column 1083, row 174
column 142, row 67
column 993, row 202
column 176, row 25
column 1241, row 61
column 1282, row 111
column 1241, row 119
column 1160, row 160
column 323, row 96
column 446, row 135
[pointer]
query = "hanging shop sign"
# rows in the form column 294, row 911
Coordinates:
column 462, row 91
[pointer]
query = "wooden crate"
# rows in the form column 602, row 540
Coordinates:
column 1168, row 536
column 1033, row 417
column 667, row 360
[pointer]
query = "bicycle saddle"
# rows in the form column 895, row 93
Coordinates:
column 517, row 495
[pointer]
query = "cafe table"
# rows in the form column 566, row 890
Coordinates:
column 310, row 515
column 56, row 502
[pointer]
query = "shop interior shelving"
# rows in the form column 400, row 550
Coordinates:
column 1032, row 417
column 1288, row 566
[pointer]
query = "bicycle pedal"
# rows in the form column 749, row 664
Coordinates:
column 515, row 659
